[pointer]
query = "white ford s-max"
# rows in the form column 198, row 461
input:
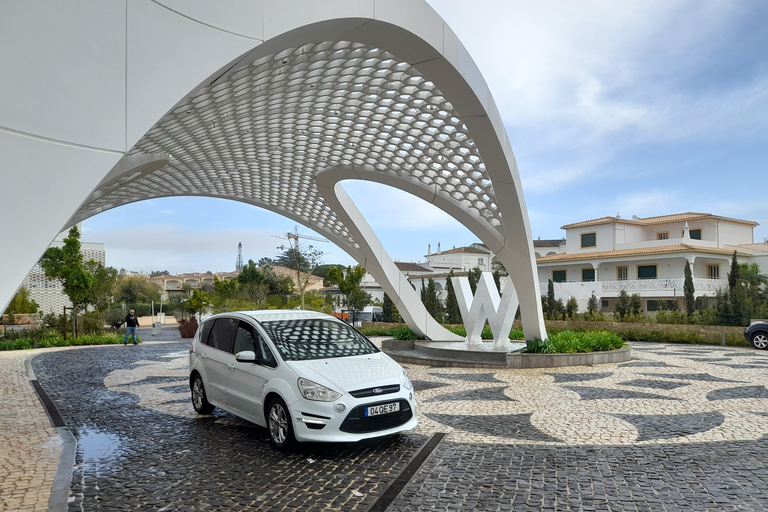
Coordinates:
column 303, row 375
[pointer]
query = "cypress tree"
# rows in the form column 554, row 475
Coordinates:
column 389, row 311
column 688, row 289
column 431, row 302
column 733, row 275
column 453, row 314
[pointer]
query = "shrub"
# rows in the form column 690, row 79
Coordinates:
column 404, row 333
column 188, row 327
column 568, row 342
column 114, row 318
column 49, row 338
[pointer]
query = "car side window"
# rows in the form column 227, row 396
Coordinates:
column 205, row 333
column 244, row 338
column 266, row 357
column 223, row 334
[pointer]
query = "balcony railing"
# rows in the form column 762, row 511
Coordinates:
column 663, row 285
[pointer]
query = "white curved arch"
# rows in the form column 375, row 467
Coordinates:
column 391, row 86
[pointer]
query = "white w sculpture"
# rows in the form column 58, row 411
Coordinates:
column 486, row 304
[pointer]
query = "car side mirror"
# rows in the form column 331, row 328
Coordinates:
column 246, row 356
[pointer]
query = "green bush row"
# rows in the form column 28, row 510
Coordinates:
column 569, row 342
column 52, row 340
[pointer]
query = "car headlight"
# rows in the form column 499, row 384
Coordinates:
column 407, row 384
column 314, row 391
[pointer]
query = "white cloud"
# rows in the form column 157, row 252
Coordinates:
column 644, row 204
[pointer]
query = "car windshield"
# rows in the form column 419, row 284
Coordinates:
column 299, row 340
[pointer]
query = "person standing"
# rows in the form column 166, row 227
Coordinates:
column 131, row 323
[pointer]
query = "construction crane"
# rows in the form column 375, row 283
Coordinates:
column 294, row 243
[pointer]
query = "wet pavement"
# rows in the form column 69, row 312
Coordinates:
column 676, row 428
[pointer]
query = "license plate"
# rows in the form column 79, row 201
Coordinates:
column 375, row 410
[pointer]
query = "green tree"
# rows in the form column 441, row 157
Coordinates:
column 474, row 278
column 21, row 304
column 199, row 302
column 635, row 304
column 66, row 264
column 354, row 297
column 750, row 274
column 452, row 311
column 622, row 307
column 733, row 275
column 432, row 302
column 688, row 289
column 103, row 285
column 592, row 304
column 156, row 273
column 389, row 310
column 571, row 308
column 550, row 296
column 136, row 289
column 304, row 260
column 497, row 280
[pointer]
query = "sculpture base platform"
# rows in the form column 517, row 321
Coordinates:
column 450, row 353
column 484, row 355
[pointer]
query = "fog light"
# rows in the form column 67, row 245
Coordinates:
column 339, row 408
column 410, row 397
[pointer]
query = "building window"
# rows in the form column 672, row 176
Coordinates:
column 588, row 240
column 695, row 234
column 622, row 273
column 587, row 274
column 646, row 271
column 479, row 261
column 713, row 271
column 604, row 304
column 662, row 236
column 651, row 305
column 558, row 276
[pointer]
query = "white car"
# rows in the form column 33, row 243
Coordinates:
column 306, row 376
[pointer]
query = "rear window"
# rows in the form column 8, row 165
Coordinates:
column 299, row 340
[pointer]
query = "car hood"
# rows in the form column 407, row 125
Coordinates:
column 345, row 374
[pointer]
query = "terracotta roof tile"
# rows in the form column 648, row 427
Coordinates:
column 410, row 267
column 649, row 221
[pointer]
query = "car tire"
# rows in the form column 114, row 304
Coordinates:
column 199, row 398
column 279, row 424
column 759, row 340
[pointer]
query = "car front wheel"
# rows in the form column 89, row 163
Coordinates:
column 759, row 340
column 199, row 400
column 279, row 424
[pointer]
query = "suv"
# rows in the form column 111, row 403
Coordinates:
column 306, row 376
column 757, row 334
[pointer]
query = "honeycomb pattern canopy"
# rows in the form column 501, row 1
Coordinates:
column 261, row 134
column 269, row 103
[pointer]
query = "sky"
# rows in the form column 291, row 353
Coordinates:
column 634, row 108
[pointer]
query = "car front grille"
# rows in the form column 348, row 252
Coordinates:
column 357, row 423
column 377, row 391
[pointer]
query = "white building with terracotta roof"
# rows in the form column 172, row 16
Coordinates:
column 647, row 256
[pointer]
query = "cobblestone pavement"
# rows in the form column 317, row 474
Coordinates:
column 29, row 446
column 676, row 428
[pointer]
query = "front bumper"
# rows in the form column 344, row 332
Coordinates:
column 319, row 421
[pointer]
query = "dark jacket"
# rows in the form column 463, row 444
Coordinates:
column 131, row 321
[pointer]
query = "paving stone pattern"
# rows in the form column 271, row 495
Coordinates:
column 577, row 438
column 135, row 458
column 523, row 478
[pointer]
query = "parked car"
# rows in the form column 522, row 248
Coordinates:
column 757, row 334
column 303, row 375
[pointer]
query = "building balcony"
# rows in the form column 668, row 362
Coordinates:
column 663, row 287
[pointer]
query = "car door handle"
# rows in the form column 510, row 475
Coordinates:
column 232, row 366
